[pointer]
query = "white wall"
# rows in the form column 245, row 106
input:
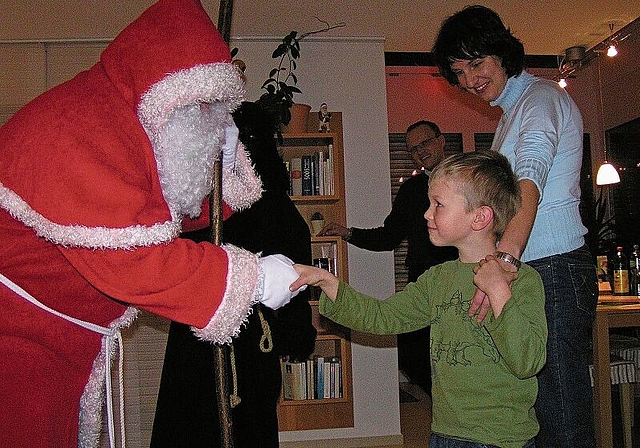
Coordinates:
column 348, row 74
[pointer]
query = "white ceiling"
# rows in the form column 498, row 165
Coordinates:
column 545, row 27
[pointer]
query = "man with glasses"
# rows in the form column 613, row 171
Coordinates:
column 406, row 220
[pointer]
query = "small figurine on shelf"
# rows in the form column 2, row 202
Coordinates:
column 317, row 222
column 324, row 117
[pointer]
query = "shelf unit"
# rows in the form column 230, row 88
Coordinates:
column 333, row 340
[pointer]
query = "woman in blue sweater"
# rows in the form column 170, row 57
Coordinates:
column 540, row 132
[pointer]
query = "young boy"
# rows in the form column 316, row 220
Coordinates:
column 484, row 383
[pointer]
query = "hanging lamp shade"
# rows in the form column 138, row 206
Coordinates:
column 607, row 175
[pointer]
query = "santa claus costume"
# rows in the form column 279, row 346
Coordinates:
column 98, row 176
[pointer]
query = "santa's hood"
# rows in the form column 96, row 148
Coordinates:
column 77, row 163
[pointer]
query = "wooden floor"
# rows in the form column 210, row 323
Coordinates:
column 415, row 419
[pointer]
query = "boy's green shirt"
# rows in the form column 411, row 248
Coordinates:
column 484, row 383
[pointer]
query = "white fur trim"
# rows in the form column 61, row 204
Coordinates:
column 219, row 82
column 241, row 294
column 92, row 400
column 83, row 236
column 241, row 186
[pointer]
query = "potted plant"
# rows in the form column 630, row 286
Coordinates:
column 281, row 85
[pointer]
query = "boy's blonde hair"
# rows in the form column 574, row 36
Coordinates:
column 485, row 178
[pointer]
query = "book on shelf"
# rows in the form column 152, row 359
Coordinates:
column 336, row 377
column 307, row 175
column 311, row 174
column 319, row 362
column 287, row 379
column 294, row 380
column 327, row 378
column 317, row 378
column 330, row 186
column 321, row 173
column 311, row 383
column 296, row 176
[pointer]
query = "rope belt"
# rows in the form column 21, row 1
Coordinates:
column 111, row 336
column 265, row 345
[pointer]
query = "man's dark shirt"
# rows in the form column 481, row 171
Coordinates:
column 406, row 220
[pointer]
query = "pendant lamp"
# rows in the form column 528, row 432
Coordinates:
column 607, row 174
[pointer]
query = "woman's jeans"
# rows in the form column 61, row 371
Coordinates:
column 565, row 400
column 437, row 441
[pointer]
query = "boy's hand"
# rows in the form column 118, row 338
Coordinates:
column 493, row 279
column 479, row 305
column 313, row 276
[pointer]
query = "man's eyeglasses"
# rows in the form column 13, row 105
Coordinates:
column 423, row 144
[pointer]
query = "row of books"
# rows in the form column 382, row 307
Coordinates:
column 312, row 379
column 312, row 174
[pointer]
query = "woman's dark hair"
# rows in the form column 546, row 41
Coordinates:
column 476, row 32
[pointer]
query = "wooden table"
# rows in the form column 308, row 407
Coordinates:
column 612, row 312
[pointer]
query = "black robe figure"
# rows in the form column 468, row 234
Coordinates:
column 186, row 412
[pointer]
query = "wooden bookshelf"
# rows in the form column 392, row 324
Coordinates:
column 333, row 340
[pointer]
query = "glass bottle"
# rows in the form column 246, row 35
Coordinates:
column 620, row 273
column 634, row 272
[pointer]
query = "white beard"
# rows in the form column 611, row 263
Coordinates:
column 185, row 149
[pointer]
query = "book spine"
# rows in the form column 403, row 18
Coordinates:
column 296, row 176
column 311, row 385
column 320, row 377
column 337, row 373
column 321, row 172
column 301, row 370
column 287, row 165
column 315, row 173
column 330, row 170
column 327, row 379
column 287, row 380
column 307, row 176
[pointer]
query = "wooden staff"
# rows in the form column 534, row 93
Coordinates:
column 221, row 352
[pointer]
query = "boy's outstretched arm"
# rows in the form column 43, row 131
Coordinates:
column 313, row 276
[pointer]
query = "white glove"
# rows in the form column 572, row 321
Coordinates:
column 230, row 146
column 278, row 275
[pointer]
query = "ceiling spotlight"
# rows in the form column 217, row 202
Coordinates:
column 612, row 50
column 562, row 83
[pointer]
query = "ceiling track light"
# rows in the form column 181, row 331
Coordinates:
column 575, row 58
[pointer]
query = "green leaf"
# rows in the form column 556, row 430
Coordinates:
column 280, row 51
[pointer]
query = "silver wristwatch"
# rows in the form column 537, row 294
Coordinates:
column 504, row 256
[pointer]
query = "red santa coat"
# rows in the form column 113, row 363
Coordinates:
column 88, row 222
